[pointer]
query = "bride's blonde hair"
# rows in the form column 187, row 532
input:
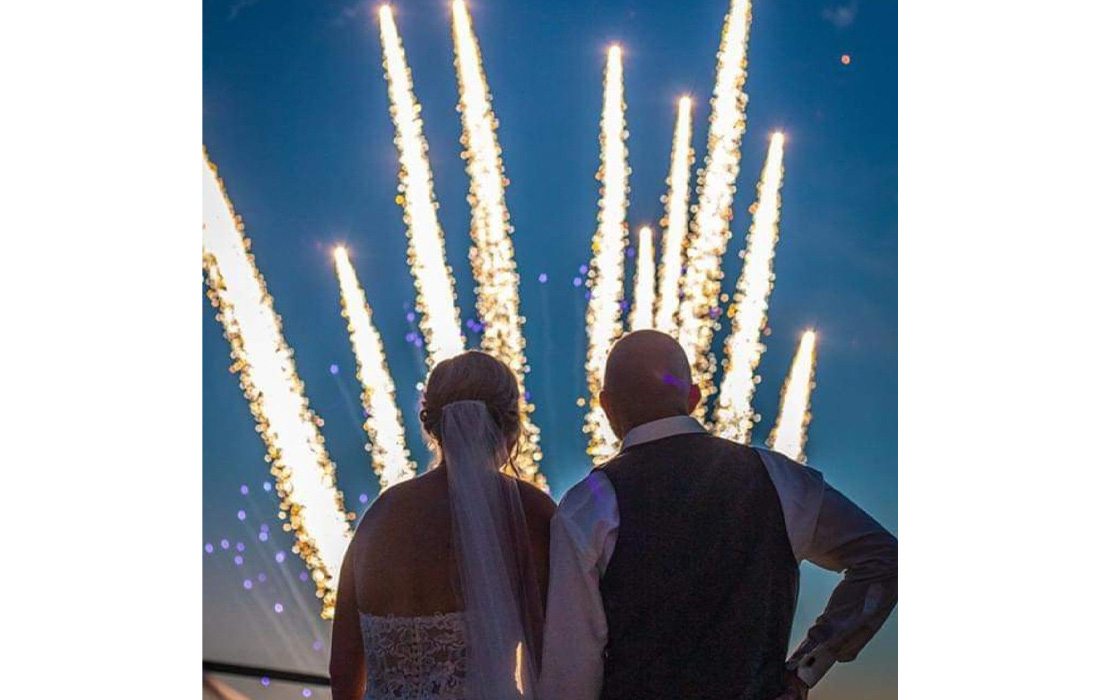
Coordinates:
column 473, row 376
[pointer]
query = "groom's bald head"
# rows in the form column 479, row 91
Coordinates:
column 647, row 377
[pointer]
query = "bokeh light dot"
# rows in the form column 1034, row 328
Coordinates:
column 224, row 544
column 209, row 548
column 238, row 560
column 278, row 607
column 244, row 490
column 248, row 584
column 241, row 515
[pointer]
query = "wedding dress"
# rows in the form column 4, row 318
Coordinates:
column 489, row 649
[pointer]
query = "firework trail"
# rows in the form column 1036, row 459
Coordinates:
column 733, row 413
column 492, row 257
column 641, row 315
column 384, row 426
column 676, row 221
column 305, row 477
column 789, row 434
column 605, row 274
column 701, row 283
column 435, row 288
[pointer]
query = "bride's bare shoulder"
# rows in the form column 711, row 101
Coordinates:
column 536, row 503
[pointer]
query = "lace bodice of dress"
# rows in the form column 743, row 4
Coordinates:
column 414, row 657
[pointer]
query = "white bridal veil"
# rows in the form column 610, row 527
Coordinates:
column 497, row 582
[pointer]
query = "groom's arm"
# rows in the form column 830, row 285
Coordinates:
column 582, row 535
column 834, row 533
column 849, row 540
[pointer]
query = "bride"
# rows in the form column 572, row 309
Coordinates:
column 441, row 591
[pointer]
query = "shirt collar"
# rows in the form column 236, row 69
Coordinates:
column 662, row 428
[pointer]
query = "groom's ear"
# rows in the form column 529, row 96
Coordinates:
column 693, row 398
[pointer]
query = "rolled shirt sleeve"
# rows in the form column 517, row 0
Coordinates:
column 832, row 532
column 582, row 538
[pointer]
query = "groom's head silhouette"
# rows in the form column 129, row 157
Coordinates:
column 647, row 377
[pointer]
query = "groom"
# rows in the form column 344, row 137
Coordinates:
column 674, row 566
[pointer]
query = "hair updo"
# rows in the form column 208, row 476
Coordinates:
column 473, row 376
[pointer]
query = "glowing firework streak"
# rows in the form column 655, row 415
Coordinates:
column 384, row 426
column 702, row 281
column 641, row 316
column 789, row 434
column 676, row 221
column 733, row 415
column 435, row 287
column 305, row 477
column 492, row 257
column 605, row 273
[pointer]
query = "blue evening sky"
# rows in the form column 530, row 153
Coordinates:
column 296, row 118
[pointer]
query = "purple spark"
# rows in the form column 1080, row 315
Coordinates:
column 248, row 584
column 267, row 486
column 240, row 546
column 306, row 692
column 543, row 277
column 363, row 498
column 278, row 607
column 265, row 681
column 577, row 281
column 263, row 535
column 261, row 578
column 244, row 490
column 630, row 251
column 303, row 576
column 280, row 556
column 209, row 548
column 238, row 560
column 225, row 544
column 410, row 317
column 317, row 645
column 334, row 369
column 240, row 515
column 583, row 269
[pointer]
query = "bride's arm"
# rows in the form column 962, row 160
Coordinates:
column 346, row 665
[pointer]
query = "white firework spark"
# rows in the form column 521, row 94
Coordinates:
column 641, row 314
column 733, row 414
column 675, row 222
column 384, row 425
column 492, row 257
column 435, row 288
column 305, row 477
column 789, row 434
column 701, row 284
column 605, row 274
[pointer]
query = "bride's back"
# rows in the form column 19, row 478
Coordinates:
column 403, row 548
column 402, row 551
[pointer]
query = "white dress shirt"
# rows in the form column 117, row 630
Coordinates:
column 823, row 527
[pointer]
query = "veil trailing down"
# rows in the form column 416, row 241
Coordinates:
column 496, row 575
